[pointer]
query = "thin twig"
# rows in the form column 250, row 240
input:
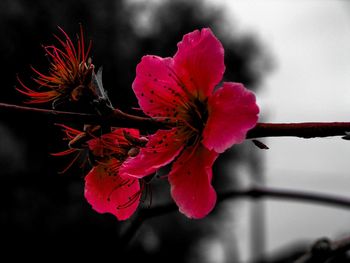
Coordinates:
column 117, row 118
column 121, row 119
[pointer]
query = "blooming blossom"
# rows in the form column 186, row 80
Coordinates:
column 69, row 76
column 181, row 89
column 105, row 189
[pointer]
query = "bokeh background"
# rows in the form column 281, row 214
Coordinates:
column 293, row 54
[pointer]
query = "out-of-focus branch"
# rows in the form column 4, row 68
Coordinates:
column 121, row 119
column 297, row 195
column 254, row 193
column 324, row 250
column 258, row 192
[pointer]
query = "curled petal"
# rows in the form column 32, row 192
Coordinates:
column 190, row 181
column 232, row 113
column 156, row 89
column 161, row 149
column 199, row 62
column 107, row 192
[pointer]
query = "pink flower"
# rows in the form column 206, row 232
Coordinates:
column 105, row 189
column 181, row 89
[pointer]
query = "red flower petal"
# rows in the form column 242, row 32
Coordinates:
column 190, row 181
column 199, row 62
column 107, row 192
column 232, row 112
column 156, row 89
column 161, row 149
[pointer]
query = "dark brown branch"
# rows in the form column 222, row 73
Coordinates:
column 324, row 250
column 302, row 130
column 121, row 119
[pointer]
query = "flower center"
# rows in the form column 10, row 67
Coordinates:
column 197, row 118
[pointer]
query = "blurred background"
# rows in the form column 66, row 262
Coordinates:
column 293, row 54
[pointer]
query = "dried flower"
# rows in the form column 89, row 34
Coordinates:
column 69, row 76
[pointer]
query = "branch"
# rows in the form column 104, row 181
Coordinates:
column 121, row 119
column 323, row 250
column 303, row 130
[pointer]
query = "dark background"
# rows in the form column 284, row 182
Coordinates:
column 43, row 210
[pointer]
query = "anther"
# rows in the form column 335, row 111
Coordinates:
column 133, row 151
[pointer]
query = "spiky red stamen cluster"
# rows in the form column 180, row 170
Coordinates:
column 69, row 75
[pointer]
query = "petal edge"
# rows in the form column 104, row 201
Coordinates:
column 199, row 62
column 232, row 113
column 109, row 193
column 190, row 181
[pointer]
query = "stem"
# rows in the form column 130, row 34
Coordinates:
column 121, row 119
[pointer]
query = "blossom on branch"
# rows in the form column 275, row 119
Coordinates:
column 69, row 76
column 181, row 90
column 105, row 189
